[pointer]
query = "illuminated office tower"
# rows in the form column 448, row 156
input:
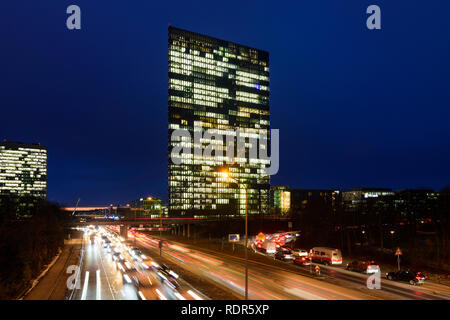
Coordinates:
column 23, row 169
column 220, row 85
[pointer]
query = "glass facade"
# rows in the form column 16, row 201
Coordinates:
column 220, row 85
column 23, row 169
column 280, row 200
column 148, row 207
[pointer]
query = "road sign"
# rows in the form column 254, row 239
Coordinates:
column 261, row 236
column 398, row 252
column 233, row 238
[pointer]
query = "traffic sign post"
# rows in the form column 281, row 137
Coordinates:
column 234, row 238
column 398, row 253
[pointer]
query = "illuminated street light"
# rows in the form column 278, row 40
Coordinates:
column 225, row 175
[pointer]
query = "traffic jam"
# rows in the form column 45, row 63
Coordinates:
column 150, row 280
column 280, row 246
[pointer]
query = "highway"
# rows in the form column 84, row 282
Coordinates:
column 270, row 282
column 389, row 289
column 266, row 282
column 103, row 278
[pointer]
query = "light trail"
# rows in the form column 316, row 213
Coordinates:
column 85, row 286
column 194, row 295
column 98, row 295
column 161, row 296
column 179, row 296
column 142, row 295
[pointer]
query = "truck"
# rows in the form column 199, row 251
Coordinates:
column 326, row 255
column 269, row 247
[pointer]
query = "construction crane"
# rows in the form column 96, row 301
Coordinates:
column 76, row 206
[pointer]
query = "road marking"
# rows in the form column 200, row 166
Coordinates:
column 161, row 296
column 85, row 286
column 194, row 295
column 106, row 275
column 179, row 296
column 142, row 295
column 99, row 297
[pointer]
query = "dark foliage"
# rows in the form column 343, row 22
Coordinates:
column 31, row 233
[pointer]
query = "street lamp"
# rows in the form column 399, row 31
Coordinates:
column 226, row 176
column 392, row 237
column 160, row 232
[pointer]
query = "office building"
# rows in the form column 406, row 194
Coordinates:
column 23, row 169
column 302, row 198
column 146, row 207
column 280, row 200
column 220, row 85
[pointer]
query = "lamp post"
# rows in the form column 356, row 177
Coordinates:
column 392, row 232
column 225, row 175
column 160, row 233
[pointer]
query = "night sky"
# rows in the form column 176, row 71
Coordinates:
column 354, row 107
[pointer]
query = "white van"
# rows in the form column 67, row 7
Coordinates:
column 326, row 255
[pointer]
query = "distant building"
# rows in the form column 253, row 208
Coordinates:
column 301, row 198
column 360, row 194
column 280, row 200
column 147, row 207
column 416, row 203
column 284, row 200
column 363, row 206
column 23, row 169
column 165, row 210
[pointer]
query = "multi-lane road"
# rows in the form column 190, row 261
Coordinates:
column 101, row 277
column 135, row 273
column 268, row 281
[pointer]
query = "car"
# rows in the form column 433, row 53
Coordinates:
column 412, row 277
column 106, row 244
column 137, row 254
column 135, row 251
column 117, row 256
column 167, row 275
column 284, row 254
column 302, row 261
column 141, row 280
column 365, row 266
column 300, row 252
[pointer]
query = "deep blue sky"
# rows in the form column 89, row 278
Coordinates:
column 354, row 107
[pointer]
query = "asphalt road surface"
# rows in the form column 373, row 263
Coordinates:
column 103, row 278
column 270, row 282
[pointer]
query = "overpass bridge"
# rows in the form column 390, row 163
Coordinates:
column 179, row 226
